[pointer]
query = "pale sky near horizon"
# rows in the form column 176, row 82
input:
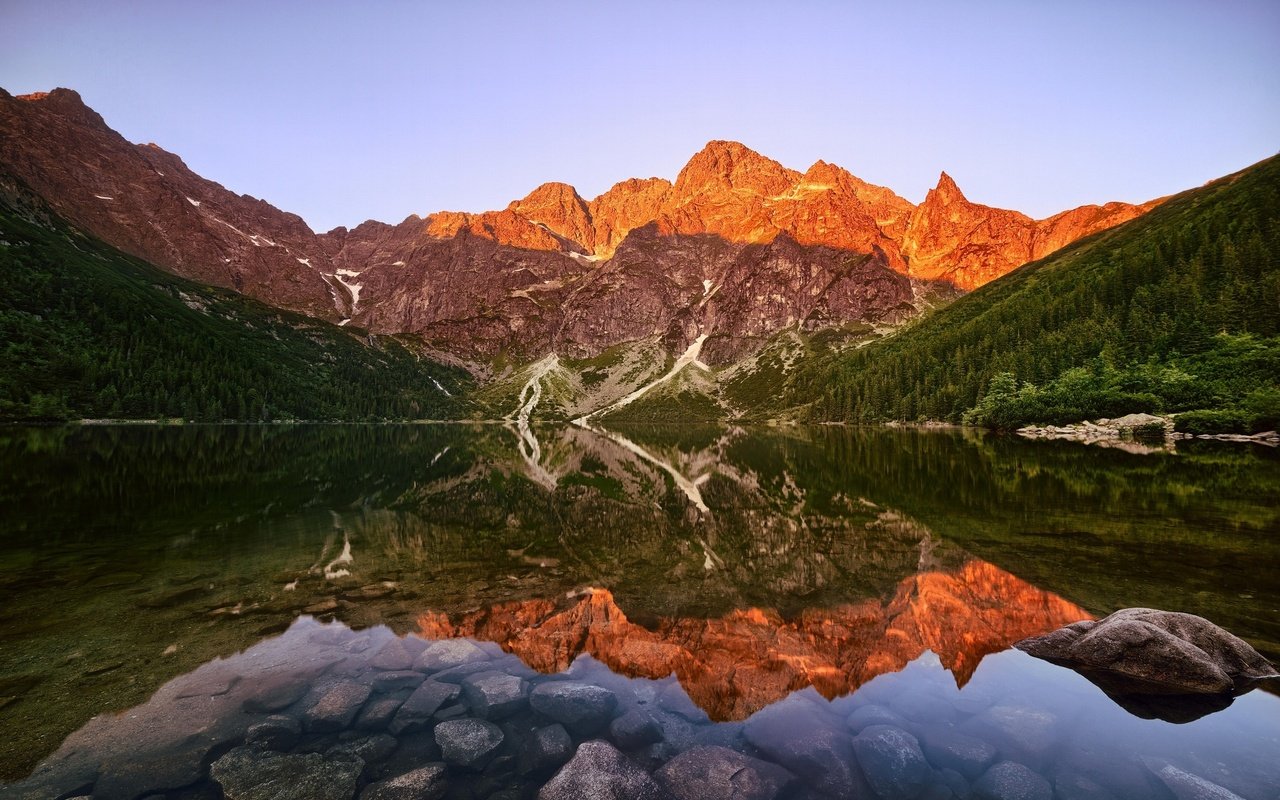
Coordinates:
column 345, row 112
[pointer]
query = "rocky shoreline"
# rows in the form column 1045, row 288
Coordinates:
column 327, row 713
column 1136, row 432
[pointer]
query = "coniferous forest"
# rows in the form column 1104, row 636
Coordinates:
column 88, row 332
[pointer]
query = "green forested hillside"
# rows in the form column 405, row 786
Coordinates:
column 86, row 331
column 1178, row 310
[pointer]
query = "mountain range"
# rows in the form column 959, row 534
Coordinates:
column 738, row 248
column 742, row 290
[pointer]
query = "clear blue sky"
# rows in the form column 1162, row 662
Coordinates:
column 347, row 111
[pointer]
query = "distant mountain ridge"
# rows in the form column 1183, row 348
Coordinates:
column 737, row 248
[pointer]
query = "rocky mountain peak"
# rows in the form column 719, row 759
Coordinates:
column 66, row 103
column 726, row 165
column 946, row 192
column 559, row 207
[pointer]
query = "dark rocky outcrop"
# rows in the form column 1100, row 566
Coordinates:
column 1143, row 651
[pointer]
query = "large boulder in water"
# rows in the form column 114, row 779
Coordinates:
column 1146, row 651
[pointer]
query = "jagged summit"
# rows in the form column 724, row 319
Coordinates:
column 723, row 164
column 947, row 191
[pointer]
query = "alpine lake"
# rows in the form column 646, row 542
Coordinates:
column 313, row 611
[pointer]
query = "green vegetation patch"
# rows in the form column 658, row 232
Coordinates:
column 88, row 332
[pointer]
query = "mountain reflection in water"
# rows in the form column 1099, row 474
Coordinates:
column 804, row 564
column 735, row 665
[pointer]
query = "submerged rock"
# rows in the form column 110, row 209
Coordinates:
column 415, row 713
column 949, row 749
column 600, row 772
column 448, row 653
column 636, row 728
column 1146, row 651
column 1010, row 780
column 424, row 783
column 247, row 773
column 1186, row 786
column 892, row 761
column 794, row 735
column 545, row 748
column 708, row 772
column 581, row 707
column 494, row 695
column 468, row 743
column 276, row 732
column 336, row 708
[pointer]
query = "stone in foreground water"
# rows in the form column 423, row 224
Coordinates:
column 598, row 770
column 468, row 743
column 580, row 707
column 708, row 772
column 247, row 773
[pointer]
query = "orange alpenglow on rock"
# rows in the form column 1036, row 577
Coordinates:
column 738, row 247
column 737, row 664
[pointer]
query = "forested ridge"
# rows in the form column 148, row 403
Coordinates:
column 1176, row 311
column 88, row 332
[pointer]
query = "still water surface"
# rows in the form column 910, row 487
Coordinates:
column 775, row 592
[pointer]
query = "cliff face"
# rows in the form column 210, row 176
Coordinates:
column 952, row 240
column 735, row 665
column 737, row 248
column 146, row 202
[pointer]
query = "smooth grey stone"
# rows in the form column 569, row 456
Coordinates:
column 400, row 679
column 247, row 773
column 459, row 673
column 636, row 728
column 954, row 781
column 891, row 761
column 544, row 748
column 378, row 712
column 953, row 750
column 794, row 735
column 448, row 653
column 393, row 657
column 581, row 707
column 275, row 694
column 369, row 749
column 468, row 743
column 494, row 695
column 336, row 709
column 415, row 713
column 425, row 783
column 449, row 712
column 1027, row 733
column 1010, row 780
column 708, row 772
column 600, row 772
column 1074, row 786
column 1186, row 786
column 873, row 714
column 276, row 732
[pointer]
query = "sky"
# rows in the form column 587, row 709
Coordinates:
column 342, row 112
